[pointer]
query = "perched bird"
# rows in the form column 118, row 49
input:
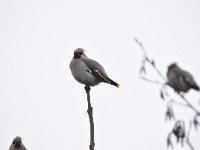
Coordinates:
column 88, row 71
column 180, row 80
column 17, row 144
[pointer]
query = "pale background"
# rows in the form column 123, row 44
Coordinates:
column 42, row 103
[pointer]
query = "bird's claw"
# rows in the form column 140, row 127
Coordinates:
column 87, row 88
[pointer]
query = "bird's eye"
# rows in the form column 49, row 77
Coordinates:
column 19, row 142
column 78, row 53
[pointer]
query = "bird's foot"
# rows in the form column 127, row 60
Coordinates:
column 87, row 88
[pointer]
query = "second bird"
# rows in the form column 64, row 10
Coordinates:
column 88, row 71
column 17, row 144
column 180, row 80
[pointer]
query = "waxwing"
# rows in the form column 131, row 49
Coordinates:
column 180, row 80
column 17, row 144
column 88, row 71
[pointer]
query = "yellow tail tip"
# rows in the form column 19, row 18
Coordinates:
column 118, row 85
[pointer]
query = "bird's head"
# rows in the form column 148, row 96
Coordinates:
column 79, row 52
column 17, row 142
column 172, row 66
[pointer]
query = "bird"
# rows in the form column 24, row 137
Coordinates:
column 17, row 144
column 88, row 71
column 180, row 80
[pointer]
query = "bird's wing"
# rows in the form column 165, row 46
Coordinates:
column 92, row 64
column 95, row 69
column 188, row 78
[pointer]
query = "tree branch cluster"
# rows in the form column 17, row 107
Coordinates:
column 179, row 130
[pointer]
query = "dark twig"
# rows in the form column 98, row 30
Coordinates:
column 188, row 137
column 189, row 104
column 178, row 103
column 151, row 62
column 151, row 81
column 189, row 144
column 196, row 121
column 169, row 141
column 90, row 114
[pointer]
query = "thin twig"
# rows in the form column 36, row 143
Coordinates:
column 178, row 103
column 188, row 139
column 189, row 144
column 151, row 81
column 90, row 114
column 157, row 70
column 141, row 45
column 169, row 142
column 149, row 60
column 161, row 75
column 189, row 104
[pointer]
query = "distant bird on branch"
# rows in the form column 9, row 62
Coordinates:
column 180, row 80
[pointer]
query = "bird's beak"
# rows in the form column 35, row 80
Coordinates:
column 17, row 144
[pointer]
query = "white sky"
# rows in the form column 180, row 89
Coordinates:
column 42, row 103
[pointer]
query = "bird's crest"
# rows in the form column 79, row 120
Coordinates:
column 173, row 65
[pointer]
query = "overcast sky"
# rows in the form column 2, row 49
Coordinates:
column 41, row 101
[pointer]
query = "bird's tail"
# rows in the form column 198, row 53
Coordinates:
column 196, row 88
column 113, row 83
column 106, row 79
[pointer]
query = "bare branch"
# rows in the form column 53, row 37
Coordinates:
column 188, row 137
column 189, row 144
column 169, row 115
column 151, row 81
column 189, row 104
column 90, row 114
column 178, row 103
column 196, row 122
column 140, row 44
column 179, row 127
column 169, row 141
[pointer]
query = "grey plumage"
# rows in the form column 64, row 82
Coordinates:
column 17, row 144
column 88, row 71
column 180, row 80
